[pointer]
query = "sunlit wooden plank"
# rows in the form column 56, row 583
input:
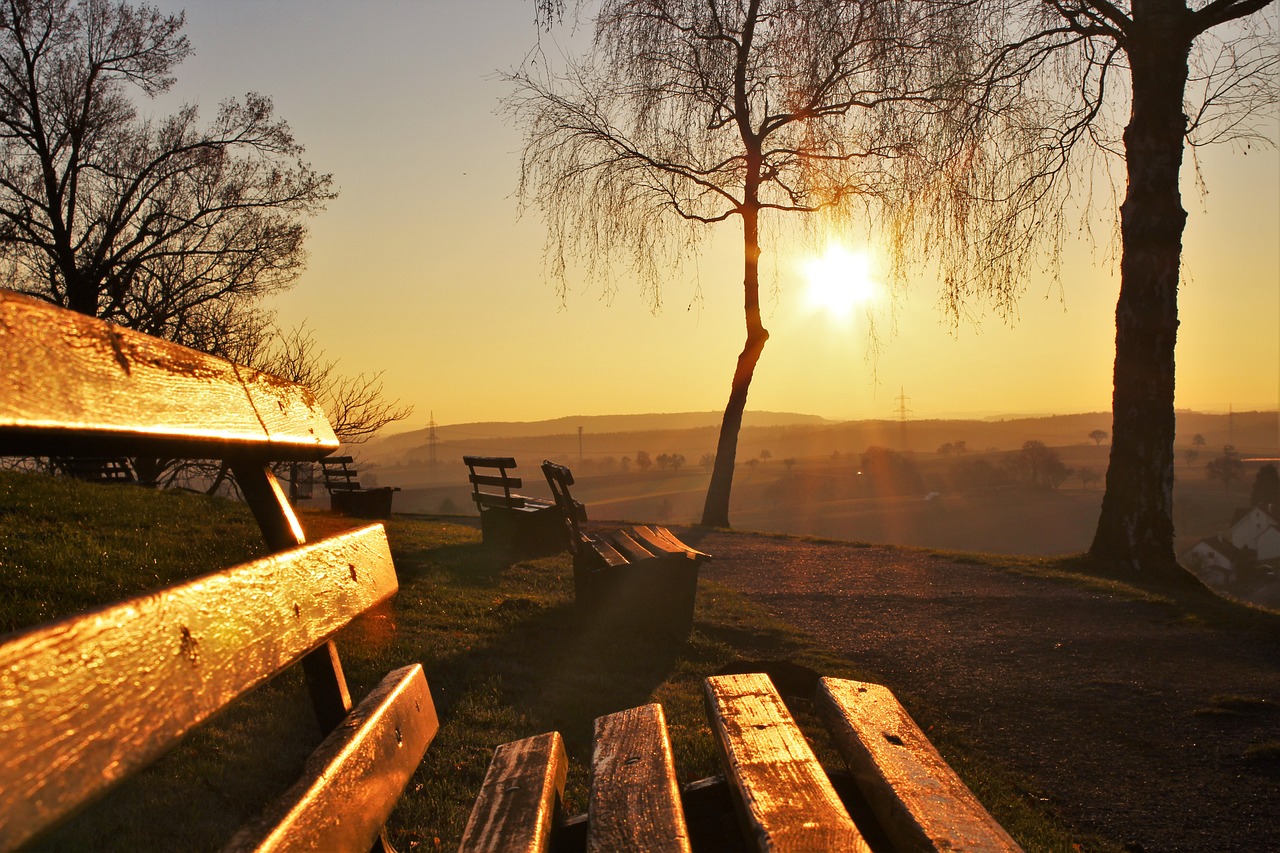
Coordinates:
column 625, row 545
column 352, row 781
column 783, row 797
column 916, row 797
column 635, row 800
column 77, row 385
column 87, row 700
column 519, row 799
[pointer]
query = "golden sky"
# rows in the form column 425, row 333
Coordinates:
column 423, row 268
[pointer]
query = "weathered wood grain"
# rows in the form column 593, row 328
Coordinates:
column 519, row 799
column 87, row 700
column 917, row 798
column 71, row 384
column 352, row 781
column 634, row 803
column 783, row 797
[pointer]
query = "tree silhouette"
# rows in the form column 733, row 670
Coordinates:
column 1098, row 436
column 1228, row 468
column 1266, row 490
column 159, row 225
column 1197, row 71
column 695, row 112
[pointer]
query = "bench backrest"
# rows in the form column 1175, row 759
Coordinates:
column 88, row 700
column 559, row 479
column 478, row 468
column 339, row 475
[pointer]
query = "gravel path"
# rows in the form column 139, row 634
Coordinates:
column 1128, row 719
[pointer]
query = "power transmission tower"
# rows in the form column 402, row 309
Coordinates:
column 903, row 412
column 431, row 441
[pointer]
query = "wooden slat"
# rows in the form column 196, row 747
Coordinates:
column 74, row 385
column 499, row 482
column 783, row 797
column 917, row 798
column 664, row 533
column 648, row 537
column 628, row 547
column 490, row 461
column 485, row 499
column 87, row 700
column 352, row 781
column 519, row 799
column 337, row 460
column 635, row 801
column 607, row 552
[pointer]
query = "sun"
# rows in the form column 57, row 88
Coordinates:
column 840, row 280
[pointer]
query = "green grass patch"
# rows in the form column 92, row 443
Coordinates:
column 501, row 649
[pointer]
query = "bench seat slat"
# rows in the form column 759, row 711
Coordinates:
column 649, row 538
column 519, row 502
column 660, row 539
column 635, row 801
column 352, row 781
column 916, row 796
column 627, row 546
column 606, row 551
column 91, row 388
column 101, row 694
column 785, row 800
column 519, row 798
column 691, row 553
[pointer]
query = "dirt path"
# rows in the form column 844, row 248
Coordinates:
column 1129, row 719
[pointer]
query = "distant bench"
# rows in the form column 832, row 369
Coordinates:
column 511, row 522
column 347, row 496
column 91, row 699
column 637, row 576
column 94, row 469
column 907, row 797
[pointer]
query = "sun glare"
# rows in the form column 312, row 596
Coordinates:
column 840, row 280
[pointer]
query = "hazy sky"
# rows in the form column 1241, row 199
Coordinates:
column 424, row 268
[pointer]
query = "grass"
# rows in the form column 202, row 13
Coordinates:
column 497, row 642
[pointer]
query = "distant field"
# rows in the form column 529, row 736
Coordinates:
column 811, row 498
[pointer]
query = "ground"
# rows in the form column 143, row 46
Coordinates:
column 1125, row 716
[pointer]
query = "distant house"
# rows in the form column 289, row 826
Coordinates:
column 1245, row 554
column 1215, row 560
column 1257, row 531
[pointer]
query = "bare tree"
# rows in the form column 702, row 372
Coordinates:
column 694, row 112
column 160, row 225
column 355, row 405
column 1098, row 436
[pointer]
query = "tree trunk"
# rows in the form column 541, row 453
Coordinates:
column 715, row 512
column 1135, row 528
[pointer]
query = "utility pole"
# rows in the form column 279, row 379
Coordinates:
column 903, row 411
column 431, row 441
column 579, row 446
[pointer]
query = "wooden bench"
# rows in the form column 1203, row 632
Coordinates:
column 511, row 522
column 94, row 469
column 89, row 700
column 631, row 577
column 906, row 796
column 347, row 496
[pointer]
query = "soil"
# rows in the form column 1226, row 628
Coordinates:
column 1128, row 719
